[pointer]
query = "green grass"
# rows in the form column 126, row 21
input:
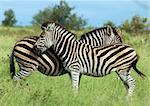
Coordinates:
column 40, row 90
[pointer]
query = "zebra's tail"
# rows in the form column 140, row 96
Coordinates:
column 138, row 71
column 12, row 66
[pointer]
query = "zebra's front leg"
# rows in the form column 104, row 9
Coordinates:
column 128, row 81
column 75, row 78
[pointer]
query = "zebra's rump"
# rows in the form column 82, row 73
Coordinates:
column 47, row 63
column 52, row 63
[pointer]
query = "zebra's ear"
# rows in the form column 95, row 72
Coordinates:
column 50, row 26
column 119, row 31
column 44, row 26
column 109, row 30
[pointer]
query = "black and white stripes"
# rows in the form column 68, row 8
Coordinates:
column 102, row 36
column 49, row 64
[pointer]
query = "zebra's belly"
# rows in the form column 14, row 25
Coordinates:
column 88, row 72
column 95, row 73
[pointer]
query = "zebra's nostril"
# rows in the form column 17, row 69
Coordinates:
column 35, row 50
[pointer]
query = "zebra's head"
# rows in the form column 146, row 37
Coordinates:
column 45, row 40
column 114, row 35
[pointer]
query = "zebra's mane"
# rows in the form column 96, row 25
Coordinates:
column 63, row 27
column 115, row 31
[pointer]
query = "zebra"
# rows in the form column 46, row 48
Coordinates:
column 23, row 49
column 48, row 63
column 83, row 59
column 102, row 36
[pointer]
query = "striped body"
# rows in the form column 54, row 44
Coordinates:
column 80, row 58
column 100, row 61
column 102, row 36
column 48, row 63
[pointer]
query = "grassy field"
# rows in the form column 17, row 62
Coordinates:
column 40, row 90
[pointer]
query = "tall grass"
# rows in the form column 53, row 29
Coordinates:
column 40, row 90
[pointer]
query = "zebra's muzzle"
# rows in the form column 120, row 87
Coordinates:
column 37, row 51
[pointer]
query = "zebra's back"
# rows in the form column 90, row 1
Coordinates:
column 102, row 36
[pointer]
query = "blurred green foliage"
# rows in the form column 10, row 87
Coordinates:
column 10, row 19
column 109, row 23
column 136, row 26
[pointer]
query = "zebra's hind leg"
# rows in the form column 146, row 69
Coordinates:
column 129, row 82
column 125, row 84
column 19, row 78
column 23, row 73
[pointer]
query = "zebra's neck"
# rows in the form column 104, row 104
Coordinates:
column 65, row 44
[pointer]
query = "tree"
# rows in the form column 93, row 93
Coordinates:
column 61, row 13
column 126, row 26
column 137, row 24
column 75, row 22
column 10, row 19
column 109, row 23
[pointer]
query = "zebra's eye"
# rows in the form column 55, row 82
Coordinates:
column 49, row 28
column 41, row 36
